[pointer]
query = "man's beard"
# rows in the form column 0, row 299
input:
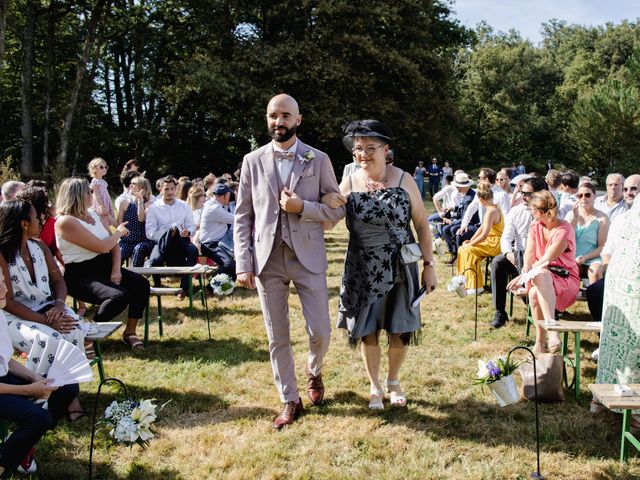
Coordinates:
column 287, row 135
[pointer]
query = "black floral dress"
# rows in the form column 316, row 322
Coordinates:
column 377, row 288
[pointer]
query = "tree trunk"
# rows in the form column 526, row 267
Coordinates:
column 26, row 165
column 4, row 8
column 107, row 90
column 51, row 38
column 117, row 89
column 89, row 41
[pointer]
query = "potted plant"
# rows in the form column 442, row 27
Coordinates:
column 497, row 374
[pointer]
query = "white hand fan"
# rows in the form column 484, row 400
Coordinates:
column 532, row 273
column 69, row 366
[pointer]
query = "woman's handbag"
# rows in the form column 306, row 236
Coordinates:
column 410, row 253
column 549, row 373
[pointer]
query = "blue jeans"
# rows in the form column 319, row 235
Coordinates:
column 31, row 419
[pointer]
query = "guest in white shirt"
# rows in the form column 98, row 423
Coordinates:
column 216, row 230
column 170, row 224
column 512, row 243
column 445, row 201
column 500, row 199
column 612, row 203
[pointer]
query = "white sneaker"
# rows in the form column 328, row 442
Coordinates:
column 595, row 354
column 474, row 291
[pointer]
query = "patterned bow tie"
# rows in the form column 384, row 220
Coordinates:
column 283, row 155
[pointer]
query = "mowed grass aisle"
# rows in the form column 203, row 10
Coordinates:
column 218, row 423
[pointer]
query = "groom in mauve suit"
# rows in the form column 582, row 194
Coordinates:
column 279, row 238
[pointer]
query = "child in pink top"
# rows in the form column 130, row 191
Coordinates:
column 100, row 199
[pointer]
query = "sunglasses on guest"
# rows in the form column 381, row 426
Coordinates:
column 585, row 195
column 630, row 189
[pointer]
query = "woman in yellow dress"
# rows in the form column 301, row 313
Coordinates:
column 485, row 243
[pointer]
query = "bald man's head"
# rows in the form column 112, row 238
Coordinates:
column 283, row 119
column 630, row 190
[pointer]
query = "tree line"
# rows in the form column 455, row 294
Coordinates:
column 182, row 85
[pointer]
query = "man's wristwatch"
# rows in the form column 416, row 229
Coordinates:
column 429, row 263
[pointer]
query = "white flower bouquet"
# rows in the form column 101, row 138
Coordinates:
column 222, row 284
column 440, row 246
column 457, row 285
column 130, row 422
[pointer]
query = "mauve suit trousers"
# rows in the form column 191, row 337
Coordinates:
column 282, row 268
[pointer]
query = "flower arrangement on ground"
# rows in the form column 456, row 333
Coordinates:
column 440, row 246
column 457, row 285
column 130, row 421
column 497, row 374
column 222, row 284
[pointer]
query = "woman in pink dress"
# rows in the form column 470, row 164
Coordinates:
column 550, row 240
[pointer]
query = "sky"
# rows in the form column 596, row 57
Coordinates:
column 527, row 16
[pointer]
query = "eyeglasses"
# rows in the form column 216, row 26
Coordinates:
column 630, row 189
column 585, row 195
column 526, row 194
column 369, row 150
column 103, row 167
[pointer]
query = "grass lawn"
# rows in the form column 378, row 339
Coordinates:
column 218, row 423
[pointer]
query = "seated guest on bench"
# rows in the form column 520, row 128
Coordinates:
column 484, row 243
column 512, row 242
column 451, row 225
column 552, row 240
column 35, row 299
column 216, row 230
column 18, row 387
column 591, row 227
column 170, row 224
column 136, row 245
column 92, row 261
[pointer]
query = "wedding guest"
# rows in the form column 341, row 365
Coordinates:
column 100, row 199
column 553, row 181
column 446, row 172
column 463, row 185
column 418, row 175
column 484, row 243
column 435, row 174
column 569, row 182
column 39, row 198
column 136, row 245
column 612, row 203
column 512, row 246
column 91, row 254
column 35, row 299
column 216, row 230
column 183, row 187
column 10, row 189
column 378, row 290
column 503, row 181
column 196, row 200
column 552, row 240
column 19, row 386
column 125, row 179
column 170, row 225
column 591, row 226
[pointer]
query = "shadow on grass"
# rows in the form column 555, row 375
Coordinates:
column 482, row 422
column 230, row 351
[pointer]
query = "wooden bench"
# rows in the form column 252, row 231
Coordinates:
column 565, row 327
column 201, row 270
column 105, row 330
column 606, row 395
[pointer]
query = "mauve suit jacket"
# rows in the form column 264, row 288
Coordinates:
column 258, row 207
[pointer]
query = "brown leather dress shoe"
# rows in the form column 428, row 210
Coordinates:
column 315, row 388
column 289, row 414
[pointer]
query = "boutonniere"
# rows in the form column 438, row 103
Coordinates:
column 307, row 157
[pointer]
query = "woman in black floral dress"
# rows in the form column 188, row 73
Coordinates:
column 378, row 288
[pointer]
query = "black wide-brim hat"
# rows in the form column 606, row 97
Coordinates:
column 365, row 128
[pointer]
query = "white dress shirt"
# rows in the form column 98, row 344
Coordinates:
column 284, row 167
column 516, row 229
column 500, row 199
column 161, row 217
column 214, row 221
column 612, row 212
column 449, row 197
column 613, row 235
column 122, row 197
column 566, row 203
